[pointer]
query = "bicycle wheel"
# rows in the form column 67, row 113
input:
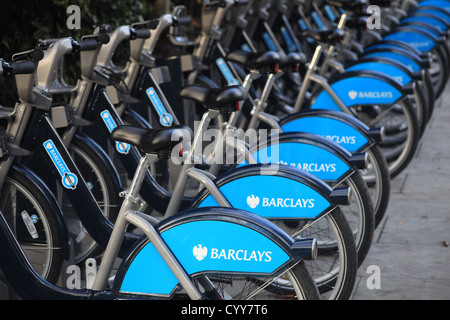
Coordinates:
column 294, row 283
column 421, row 107
column 402, row 131
column 334, row 270
column 30, row 217
column 97, row 174
column 359, row 214
column 377, row 178
column 439, row 70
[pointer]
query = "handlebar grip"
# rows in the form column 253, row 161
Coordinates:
column 25, row 67
column 140, row 34
column 183, row 21
column 88, row 44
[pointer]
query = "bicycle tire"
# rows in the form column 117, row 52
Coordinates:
column 360, row 214
column 380, row 184
column 294, row 283
column 21, row 196
column 440, row 73
column 336, row 253
column 398, row 156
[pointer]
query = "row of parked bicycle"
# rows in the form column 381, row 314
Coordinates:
column 318, row 113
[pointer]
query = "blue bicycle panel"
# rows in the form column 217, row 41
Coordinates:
column 337, row 131
column 272, row 197
column 428, row 20
column 437, row 13
column 416, row 40
column 358, row 90
column 409, row 63
column 199, row 246
column 318, row 161
column 390, row 70
column 436, row 3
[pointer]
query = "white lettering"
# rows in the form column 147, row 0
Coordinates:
column 376, row 94
column 193, row 310
column 241, row 255
column 214, row 254
column 342, row 139
column 288, row 203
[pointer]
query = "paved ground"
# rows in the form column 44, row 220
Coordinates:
column 410, row 252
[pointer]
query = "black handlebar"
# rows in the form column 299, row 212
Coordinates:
column 181, row 21
column 23, row 67
column 33, row 54
column 89, row 43
column 23, row 63
column 139, row 34
column 141, row 30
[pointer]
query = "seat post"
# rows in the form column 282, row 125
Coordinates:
column 121, row 223
column 307, row 79
column 140, row 173
column 180, row 185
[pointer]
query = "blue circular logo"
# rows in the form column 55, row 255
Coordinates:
column 69, row 180
column 166, row 119
column 122, row 147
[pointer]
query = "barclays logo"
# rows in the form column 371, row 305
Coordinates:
column 353, row 94
column 252, row 201
column 370, row 94
column 200, row 252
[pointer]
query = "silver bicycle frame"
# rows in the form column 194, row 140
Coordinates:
column 129, row 215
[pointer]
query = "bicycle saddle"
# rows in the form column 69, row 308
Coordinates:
column 215, row 98
column 159, row 141
column 330, row 36
column 290, row 60
column 254, row 61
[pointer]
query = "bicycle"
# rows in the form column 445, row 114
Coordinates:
column 29, row 207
